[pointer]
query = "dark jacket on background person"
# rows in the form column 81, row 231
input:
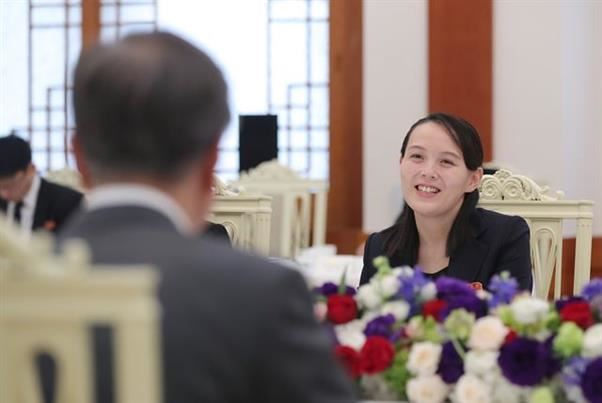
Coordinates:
column 55, row 203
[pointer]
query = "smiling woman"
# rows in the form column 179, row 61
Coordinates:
column 440, row 230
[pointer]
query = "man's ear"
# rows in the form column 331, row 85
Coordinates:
column 475, row 179
column 81, row 162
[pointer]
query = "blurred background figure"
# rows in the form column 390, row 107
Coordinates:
column 27, row 199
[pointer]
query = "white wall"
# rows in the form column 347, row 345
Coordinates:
column 547, row 102
column 548, row 94
column 395, row 96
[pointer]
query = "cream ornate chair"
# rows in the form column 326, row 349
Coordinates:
column 66, row 177
column 294, row 199
column 246, row 216
column 48, row 303
column 545, row 213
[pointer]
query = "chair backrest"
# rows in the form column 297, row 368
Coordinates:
column 298, row 205
column 519, row 195
column 246, row 216
column 48, row 304
column 66, row 177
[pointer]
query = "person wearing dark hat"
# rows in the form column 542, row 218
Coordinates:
column 27, row 199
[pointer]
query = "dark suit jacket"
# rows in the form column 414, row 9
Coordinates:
column 235, row 328
column 499, row 242
column 54, row 205
column 217, row 232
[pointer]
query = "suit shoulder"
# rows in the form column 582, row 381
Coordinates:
column 56, row 188
column 492, row 218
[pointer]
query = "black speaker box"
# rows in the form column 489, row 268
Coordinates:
column 258, row 140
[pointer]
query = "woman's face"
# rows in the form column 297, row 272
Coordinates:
column 434, row 177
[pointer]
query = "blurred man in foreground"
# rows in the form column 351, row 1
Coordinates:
column 149, row 113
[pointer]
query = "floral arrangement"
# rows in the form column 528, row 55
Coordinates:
column 404, row 337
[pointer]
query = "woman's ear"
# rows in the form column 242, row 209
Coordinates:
column 475, row 179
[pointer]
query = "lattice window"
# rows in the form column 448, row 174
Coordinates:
column 281, row 69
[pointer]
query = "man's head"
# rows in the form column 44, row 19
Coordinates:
column 148, row 108
column 16, row 169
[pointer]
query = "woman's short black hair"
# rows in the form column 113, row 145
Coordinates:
column 401, row 241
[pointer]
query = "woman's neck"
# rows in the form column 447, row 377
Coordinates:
column 433, row 230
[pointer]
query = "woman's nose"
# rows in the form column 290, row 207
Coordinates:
column 429, row 172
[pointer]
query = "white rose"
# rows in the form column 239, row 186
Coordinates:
column 527, row 310
column 482, row 294
column 426, row 389
column 377, row 388
column 480, row 362
column 428, row 292
column 471, row 389
column 488, row 333
column 399, row 309
column 505, row 392
column 388, row 286
column 414, row 329
column 351, row 334
column 592, row 341
column 424, row 358
column 404, row 271
column 368, row 297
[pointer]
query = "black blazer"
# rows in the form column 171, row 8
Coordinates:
column 217, row 232
column 54, row 205
column 499, row 242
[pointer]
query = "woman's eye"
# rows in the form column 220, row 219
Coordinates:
column 416, row 156
column 447, row 162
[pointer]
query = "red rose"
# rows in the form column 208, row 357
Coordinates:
column 376, row 355
column 350, row 360
column 511, row 335
column 578, row 312
column 433, row 308
column 341, row 308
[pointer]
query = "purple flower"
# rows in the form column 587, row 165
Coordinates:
column 459, row 294
column 592, row 289
column 553, row 364
column 567, row 300
column 503, row 290
column 596, row 305
column 449, row 288
column 451, row 365
column 591, row 381
column 380, row 326
column 409, row 289
column 573, row 370
column 331, row 288
column 523, row 361
column 471, row 303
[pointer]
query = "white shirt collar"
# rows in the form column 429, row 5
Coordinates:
column 119, row 194
column 31, row 197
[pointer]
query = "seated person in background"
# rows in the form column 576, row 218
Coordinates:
column 149, row 114
column 440, row 229
column 25, row 197
column 217, row 232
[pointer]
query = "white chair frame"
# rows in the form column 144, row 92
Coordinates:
column 292, row 205
column 519, row 195
column 47, row 304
